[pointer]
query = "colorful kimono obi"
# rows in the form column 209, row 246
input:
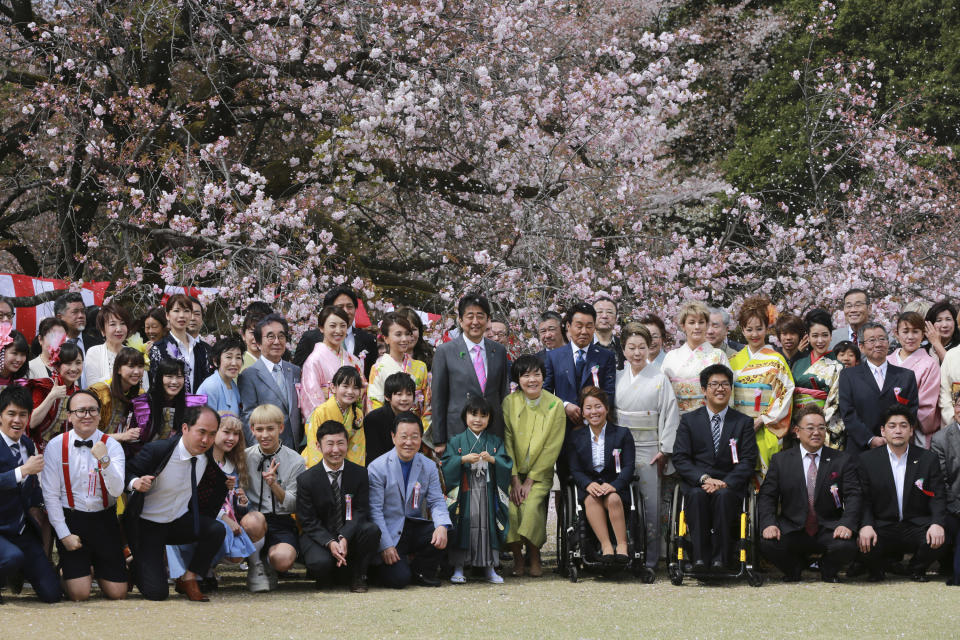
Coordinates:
column 763, row 388
column 683, row 366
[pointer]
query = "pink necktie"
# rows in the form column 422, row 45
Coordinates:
column 479, row 368
column 811, row 525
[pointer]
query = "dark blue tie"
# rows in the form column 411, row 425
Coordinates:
column 579, row 362
column 194, row 499
column 17, row 461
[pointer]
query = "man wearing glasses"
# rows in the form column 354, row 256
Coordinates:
column 870, row 388
column 856, row 311
column 272, row 380
column 83, row 474
column 809, row 503
column 715, row 454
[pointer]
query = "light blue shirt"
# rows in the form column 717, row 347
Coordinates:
column 219, row 397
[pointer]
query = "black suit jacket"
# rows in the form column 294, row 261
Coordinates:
column 581, row 460
column 151, row 461
column 16, row 499
column 862, row 402
column 783, row 495
column 315, row 506
column 362, row 341
column 880, row 492
column 693, row 454
column 378, row 430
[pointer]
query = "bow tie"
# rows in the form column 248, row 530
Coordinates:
column 83, row 443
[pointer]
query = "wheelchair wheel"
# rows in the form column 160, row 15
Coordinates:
column 573, row 574
column 753, row 535
column 646, row 575
column 637, row 530
column 676, row 576
column 673, row 538
column 562, row 560
column 754, row 579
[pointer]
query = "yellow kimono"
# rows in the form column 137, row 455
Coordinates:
column 533, row 437
column 763, row 388
column 387, row 366
column 353, row 421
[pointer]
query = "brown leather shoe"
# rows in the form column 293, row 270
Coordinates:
column 191, row 589
column 358, row 585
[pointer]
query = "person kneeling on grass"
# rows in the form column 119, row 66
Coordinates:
column 272, row 469
column 476, row 470
column 408, row 505
column 602, row 457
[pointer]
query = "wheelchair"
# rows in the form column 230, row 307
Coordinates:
column 578, row 549
column 679, row 546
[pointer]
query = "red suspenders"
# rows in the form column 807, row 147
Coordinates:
column 65, row 465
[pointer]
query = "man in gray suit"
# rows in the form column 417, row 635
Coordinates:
column 270, row 380
column 946, row 445
column 464, row 367
column 856, row 311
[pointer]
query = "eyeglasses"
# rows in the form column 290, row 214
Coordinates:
column 854, row 305
column 275, row 337
column 813, row 429
column 85, row 412
column 718, row 385
column 873, row 341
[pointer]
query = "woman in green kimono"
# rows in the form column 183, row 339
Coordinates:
column 535, row 427
column 817, row 376
column 476, row 472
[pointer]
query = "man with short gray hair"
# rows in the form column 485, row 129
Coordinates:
column 870, row 388
column 717, row 332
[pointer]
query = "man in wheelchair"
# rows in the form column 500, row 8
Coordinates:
column 715, row 454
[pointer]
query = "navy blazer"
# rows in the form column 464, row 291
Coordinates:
column 693, row 454
column 783, row 495
column 580, row 455
column 561, row 372
column 17, row 499
column 861, row 402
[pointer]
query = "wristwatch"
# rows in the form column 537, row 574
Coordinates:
column 104, row 461
column 704, row 478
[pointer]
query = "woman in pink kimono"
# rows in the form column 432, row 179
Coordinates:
column 325, row 359
column 926, row 368
column 684, row 364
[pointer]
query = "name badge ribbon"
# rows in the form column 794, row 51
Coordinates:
column 92, row 483
column 900, row 399
column 616, row 459
column 757, row 397
column 595, row 372
column 919, row 485
column 348, row 507
column 835, row 492
column 733, row 451
column 416, row 496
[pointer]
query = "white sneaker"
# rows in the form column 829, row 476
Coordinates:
column 257, row 580
column 458, row 578
column 493, row 577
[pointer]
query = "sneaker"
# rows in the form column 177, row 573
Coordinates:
column 257, row 580
column 458, row 578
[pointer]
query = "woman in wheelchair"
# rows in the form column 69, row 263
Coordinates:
column 602, row 458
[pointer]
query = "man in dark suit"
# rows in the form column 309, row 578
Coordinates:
column 550, row 332
column 333, row 509
column 468, row 366
column 271, row 380
column 357, row 341
column 904, row 499
column 178, row 490
column 582, row 363
column 856, row 311
column 945, row 444
column 809, row 503
column 715, row 454
column 867, row 389
column 21, row 499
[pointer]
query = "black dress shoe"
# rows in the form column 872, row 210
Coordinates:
column 359, row 585
column 607, row 559
column 687, row 566
column 876, row 576
column 621, row 559
column 15, row 582
column 920, row 577
column 424, row 581
column 699, row 565
column 717, row 565
column 791, row 577
column 834, row 579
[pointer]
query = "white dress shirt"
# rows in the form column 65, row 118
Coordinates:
column 483, row 352
column 710, row 414
column 23, row 455
column 879, row 373
column 330, row 470
column 350, row 341
column 82, row 463
column 899, row 468
column 805, row 461
column 169, row 497
column 597, row 443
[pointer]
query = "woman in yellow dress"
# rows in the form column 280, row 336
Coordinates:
column 762, row 381
column 397, row 332
column 344, row 406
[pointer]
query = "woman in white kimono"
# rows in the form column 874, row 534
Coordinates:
column 647, row 406
column 684, row 364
